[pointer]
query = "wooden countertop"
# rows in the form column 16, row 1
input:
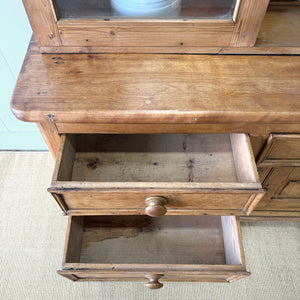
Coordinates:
column 158, row 88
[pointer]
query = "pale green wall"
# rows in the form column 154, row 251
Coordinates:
column 15, row 34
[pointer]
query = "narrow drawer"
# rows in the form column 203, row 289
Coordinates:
column 281, row 150
column 169, row 248
column 156, row 174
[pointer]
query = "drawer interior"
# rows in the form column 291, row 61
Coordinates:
column 211, row 240
column 156, row 158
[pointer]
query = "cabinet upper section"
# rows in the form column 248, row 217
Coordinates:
column 165, row 26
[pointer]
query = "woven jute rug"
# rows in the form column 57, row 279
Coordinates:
column 32, row 232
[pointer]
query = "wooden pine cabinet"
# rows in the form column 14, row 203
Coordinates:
column 164, row 135
column 202, row 26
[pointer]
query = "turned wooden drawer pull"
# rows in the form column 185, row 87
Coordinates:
column 155, row 206
column 153, row 282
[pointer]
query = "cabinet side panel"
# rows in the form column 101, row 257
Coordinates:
column 50, row 135
column 41, row 15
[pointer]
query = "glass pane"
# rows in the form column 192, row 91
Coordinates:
column 167, row 9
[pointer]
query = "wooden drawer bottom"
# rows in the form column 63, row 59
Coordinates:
column 169, row 248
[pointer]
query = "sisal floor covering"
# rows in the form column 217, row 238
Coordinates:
column 32, row 232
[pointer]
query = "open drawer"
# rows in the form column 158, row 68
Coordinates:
column 156, row 174
column 168, row 248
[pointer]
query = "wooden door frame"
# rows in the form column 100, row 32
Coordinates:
column 53, row 35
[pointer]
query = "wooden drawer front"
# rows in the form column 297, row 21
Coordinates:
column 176, row 248
column 202, row 200
column 283, row 189
column 115, row 174
column 281, row 149
column 95, row 275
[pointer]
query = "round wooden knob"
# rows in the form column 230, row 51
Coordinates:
column 155, row 206
column 153, row 282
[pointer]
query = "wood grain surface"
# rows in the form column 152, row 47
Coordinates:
column 281, row 150
column 41, row 15
column 141, row 88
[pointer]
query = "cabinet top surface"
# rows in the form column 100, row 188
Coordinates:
column 158, row 88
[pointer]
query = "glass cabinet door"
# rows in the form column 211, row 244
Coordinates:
column 163, row 9
column 144, row 26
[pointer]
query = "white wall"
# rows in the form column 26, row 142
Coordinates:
column 15, row 34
